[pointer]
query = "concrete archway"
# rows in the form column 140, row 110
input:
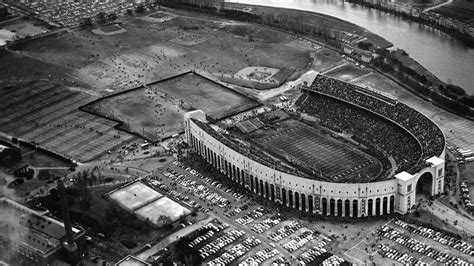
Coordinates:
column 325, row 206
column 424, row 185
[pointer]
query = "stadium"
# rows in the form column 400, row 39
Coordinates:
column 336, row 150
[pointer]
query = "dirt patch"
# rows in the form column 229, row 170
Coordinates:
column 259, row 74
column 159, row 17
column 109, row 30
column 188, row 39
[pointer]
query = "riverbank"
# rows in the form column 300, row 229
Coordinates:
column 345, row 37
column 349, row 32
column 396, row 65
column 455, row 28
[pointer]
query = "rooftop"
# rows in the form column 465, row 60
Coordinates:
column 31, row 228
column 435, row 161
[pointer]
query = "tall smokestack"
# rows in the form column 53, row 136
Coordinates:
column 70, row 245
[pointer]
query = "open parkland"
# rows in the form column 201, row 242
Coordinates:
column 111, row 100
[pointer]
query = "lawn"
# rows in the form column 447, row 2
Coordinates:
column 156, row 111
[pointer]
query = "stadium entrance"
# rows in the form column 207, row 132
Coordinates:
column 424, row 186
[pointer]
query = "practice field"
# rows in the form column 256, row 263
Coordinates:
column 48, row 115
column 156, row 111
column 347, row 72
column 320, row 152
column 163, row 207
column 134, row 196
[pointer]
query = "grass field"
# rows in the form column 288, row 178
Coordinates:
column 325, row 59
column 333, row 158
column 156, row 111
column 149, row 51
column 347, row 72
column 110, row 28
column 48, row 115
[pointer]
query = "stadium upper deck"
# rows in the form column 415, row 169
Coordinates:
column 428, row 135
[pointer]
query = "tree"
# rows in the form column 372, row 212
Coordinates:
column 140, row 9
column 86, row 21
column 111, row 17
column 101, row 16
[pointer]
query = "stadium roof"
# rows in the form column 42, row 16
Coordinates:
column 404, row 176
column 435, row 161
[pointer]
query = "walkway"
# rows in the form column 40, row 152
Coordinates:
column 436, row 6
column 464, row 224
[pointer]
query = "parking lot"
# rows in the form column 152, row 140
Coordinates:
column 245, row 231
column 407, row 243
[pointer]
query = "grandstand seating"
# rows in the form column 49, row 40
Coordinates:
column 337, row 111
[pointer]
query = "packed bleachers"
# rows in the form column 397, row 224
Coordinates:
column 371, row 128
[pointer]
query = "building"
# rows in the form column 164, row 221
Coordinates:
column 33, row 235
column 292, row 181
column 9, row 154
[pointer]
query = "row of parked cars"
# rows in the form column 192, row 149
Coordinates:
column 438, row 237
column 285, row 231
column 466, row 197
column 197, row 189
column 266, row 224
column 220, row 242
column 207, row 230
column 220, row 201
column 393, row 254
column 252, row 216
column 311, row 256
column 418, row 246
column 333, row 260
column 298, row 241
column 237, row 210
column 236, row 251
column 259, row 257
column 185, row 199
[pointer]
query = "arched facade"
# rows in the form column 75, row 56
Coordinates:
column 310, row 195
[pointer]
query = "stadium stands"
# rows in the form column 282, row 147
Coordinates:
column 337, row 111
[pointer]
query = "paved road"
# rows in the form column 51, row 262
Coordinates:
column 445, row 213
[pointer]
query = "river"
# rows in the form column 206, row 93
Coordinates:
column 446, row 57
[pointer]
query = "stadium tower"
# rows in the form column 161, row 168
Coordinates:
column 70, row 245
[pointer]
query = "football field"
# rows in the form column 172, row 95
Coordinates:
column 335, row 159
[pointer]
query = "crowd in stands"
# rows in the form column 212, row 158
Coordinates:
column 374, row 129
column 369, row 128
